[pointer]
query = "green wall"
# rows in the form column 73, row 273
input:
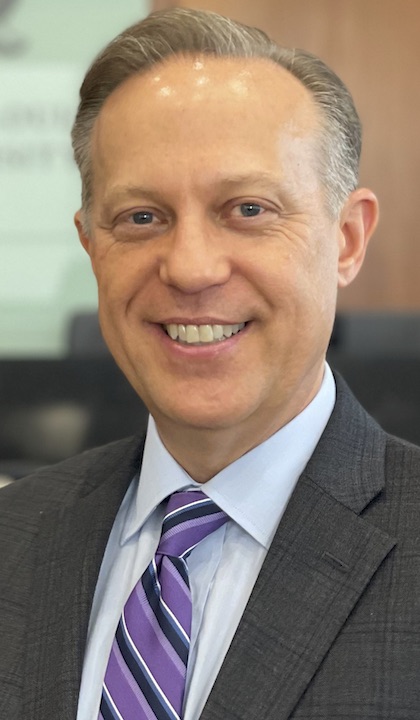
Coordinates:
column 45, row 48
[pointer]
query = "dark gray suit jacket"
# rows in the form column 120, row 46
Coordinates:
column 332, row 628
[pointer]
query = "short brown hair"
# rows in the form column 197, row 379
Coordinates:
column 182, row 31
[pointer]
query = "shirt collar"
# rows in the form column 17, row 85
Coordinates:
column 255, row 489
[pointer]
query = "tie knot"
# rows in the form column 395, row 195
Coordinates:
column 190, row 517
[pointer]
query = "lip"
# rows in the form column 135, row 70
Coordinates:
column 199, row 321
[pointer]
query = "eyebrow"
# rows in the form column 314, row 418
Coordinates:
column 131, row 191
column 264, row 178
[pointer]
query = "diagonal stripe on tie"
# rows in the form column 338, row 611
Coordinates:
column 146, row 671
column 157, row 699
column 153, row 600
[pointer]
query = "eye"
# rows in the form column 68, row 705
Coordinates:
column 141, row 223
column 249, row 215
column 250, row 209
column 142, row 217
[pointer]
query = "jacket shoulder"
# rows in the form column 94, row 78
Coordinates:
column 60, row 484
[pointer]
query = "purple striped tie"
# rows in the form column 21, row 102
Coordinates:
column 145, row 676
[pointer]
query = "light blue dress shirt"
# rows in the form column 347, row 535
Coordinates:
column 254, row 492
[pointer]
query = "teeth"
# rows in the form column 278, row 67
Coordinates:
column 193, row 334
column 206, row 333
column 172, row 331
column 202, row 334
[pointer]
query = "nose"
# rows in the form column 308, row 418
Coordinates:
column 195, row 257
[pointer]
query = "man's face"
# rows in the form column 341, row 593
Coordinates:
column 216, row 260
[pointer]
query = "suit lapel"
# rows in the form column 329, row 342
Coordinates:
column 69, row 552
column 323, row 556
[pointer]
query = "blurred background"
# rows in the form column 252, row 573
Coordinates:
column 59, row 389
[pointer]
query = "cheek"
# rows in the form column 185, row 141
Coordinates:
column 305, row 293
column 119, row 275
column 321, row 268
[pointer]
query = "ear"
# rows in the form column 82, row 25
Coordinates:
column 82, row 231
column 358, row 221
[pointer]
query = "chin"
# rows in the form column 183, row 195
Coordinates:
column 201, row 418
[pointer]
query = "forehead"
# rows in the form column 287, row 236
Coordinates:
column 198, row 115
column 223, row 85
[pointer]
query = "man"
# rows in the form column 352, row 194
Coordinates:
column 221, row 212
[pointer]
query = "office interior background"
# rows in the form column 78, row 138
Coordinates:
column 60, row 391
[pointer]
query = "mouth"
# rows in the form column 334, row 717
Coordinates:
column 202, row 334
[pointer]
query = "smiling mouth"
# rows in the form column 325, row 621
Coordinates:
column 202, row 334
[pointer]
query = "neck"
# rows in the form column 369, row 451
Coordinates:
column 204, row 452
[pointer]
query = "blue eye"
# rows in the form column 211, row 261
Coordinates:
column 142, row 217
column 250, row 209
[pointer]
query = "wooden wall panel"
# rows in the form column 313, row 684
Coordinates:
column 374, row 46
